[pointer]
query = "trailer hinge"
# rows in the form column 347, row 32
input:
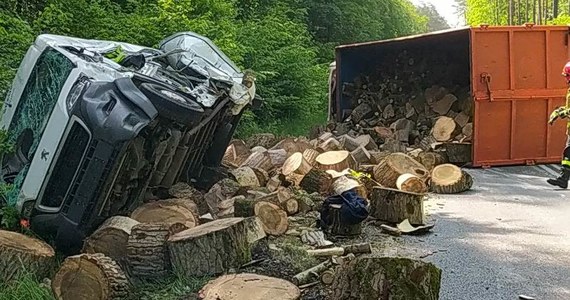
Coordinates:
column 486, row 79
column 529, row 25
column 484, row 26
column 530, row 162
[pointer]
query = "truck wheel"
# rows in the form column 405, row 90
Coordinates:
column 172, row 105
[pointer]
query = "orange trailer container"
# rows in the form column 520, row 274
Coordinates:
column 514, row 74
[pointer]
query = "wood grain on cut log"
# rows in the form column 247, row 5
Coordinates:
column 245, row 176
column 316, row 181
column 411, row 183
column 444, row 129
column 348, row 143
column 249, row 287
column 273, row 218
column 366, row 278
column 327, row 277
column 444, row 105
column 168, row 211
column 111, row 238
column 331, row 144
column 277, row 157
column 395, row 206
column 450, row 179
column 468, row 131
column 297, row 164
column 396, row 164
column 431, row 159
column 147, row 253
column 210, row 249
column 21, row 254
column 236, row 153
column 261, row 160
column 361, row 155
column 310, row 155
column 335, row 160
column 288, row 144
column 461, row 119
column 90, row 277
column 367, row 141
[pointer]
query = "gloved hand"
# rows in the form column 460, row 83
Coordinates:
column 561, row 112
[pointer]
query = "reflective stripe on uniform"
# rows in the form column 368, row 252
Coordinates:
column 566, row 162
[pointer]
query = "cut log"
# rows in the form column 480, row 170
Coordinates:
column 261, row 160
column 182, row 190
column 316, row 181
column 168, row 211
column 274, row 183
column 378, row 156
column 246, row 177
column 147, row 253
column 393, row 146
column 361, row 112
column 327, row 277
column 444, row 105
column 458, row 153
column 210, row 249
column 388, row 112
column 343, row 184
column 462, row 119
column 243, row 207
column 394, row 206
column 310, row 155
column 288, row 144
column 236, row 153
column 450, row 179
column 262, row 176
column 329, row 145
column 90, row 276
column 411, row 183
column 325, row 136
column 312, row 274
column 222, row 190
column 361, row 155
column 348, row 143
column 111, row 238
column 273, row 218
column 254, row 229
column 366, row 278
column 266, row 140
column 226, row 207
column 249, row 287
column 21, row 254
column 283, row 198
column 410, row 111
column 396, row 164
column 303, row 144
column 258, row 149
column 427, row 142
column 444, row 129
column 335, row 160
column 296, row 164
column 367, row 142
column 430, row 159
column 277, row 157
column 340, row 251
column 339, row 227
column 468, row 131
column 384, row 132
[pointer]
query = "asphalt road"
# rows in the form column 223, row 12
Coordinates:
column 510, row 235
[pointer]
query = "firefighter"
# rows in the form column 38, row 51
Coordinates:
column 563, row 113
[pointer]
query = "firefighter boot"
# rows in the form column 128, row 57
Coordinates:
column 562, row 180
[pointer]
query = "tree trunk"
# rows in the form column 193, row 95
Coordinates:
column 147, row 253
column 396, row 164
column 450, row 179
column 249, row 287
column 296, row 164
column 431, row 159
column 273, row 218
column 395, row 206
column 90, row 277
column 210, row 249
column 367, row 278
column 335, row 160
column 316, row 181
column 21, row 254
column 340, row 228
column 111, row 238
column 411, row 183
column 168, row 211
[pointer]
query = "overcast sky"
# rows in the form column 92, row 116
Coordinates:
column 446, row 9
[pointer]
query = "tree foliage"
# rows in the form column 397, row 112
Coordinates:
column 435, row 21
column 516, row 12
column 289, row 43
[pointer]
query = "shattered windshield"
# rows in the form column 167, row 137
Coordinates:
column 32, row 114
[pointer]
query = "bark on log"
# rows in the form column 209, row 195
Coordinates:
column 396, row 164
column 444, row 105
column 90, row 277
column 21, row 254
column 411, row 183
column 249, row 287
column 339, row 227
column 254, row 229
column 444, row 129
column 266, row 140
column 450, row 179
column 147, row 253
column 243, row 207
column 458, row 153
column 310, row 155
column 261, row 160
column 111, row 238
column 367, row 278
column 185, row 191
column 210, row 249
column 367, row 141
column 348, row 143
column 468, row 132
column 222, row 190
column 340, row 251
column 168, row 211
column 430, row 159
column 427, row 142
column 335, row 160
column 296, row 164
column 246, row 177
column 262, row 176
column 329, row 145
column 361, row 112
column 309, row 274
column 277, row 157
column 273, row 218
column 316, row 181
column 288, row 144
column 395, row 206
column 377, row 157
column 361, row 155
column 461, row 119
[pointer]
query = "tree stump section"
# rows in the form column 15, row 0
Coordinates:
column 394, row 206
column 146, row 251
column 340, row 228
column 396, row 164
column 210, row 249
column 430, row 159
column 23, row 254
column 90, row 277
column 111, row 238
column 168, row 211
column 450, row 179
column 310, row 156
column 249, row 287
column 316, row 181
column 335, row 160
column 296, row 164
column 366, row 278
column 273, row 218
column 411, row 183
column 444, row 129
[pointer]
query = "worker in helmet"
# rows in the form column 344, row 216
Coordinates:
column 563, row 113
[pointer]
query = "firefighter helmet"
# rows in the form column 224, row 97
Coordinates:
column 566, row 72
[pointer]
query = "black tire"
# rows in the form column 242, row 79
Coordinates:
column 172, row 105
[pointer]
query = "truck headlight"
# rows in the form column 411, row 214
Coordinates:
column 76, row 91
